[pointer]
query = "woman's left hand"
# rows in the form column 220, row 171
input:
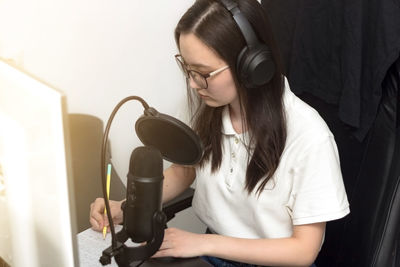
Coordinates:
column 181, row 244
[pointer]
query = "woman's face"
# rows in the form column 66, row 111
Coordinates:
column 197, row 56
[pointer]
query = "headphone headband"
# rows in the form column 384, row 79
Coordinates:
column 243, row 24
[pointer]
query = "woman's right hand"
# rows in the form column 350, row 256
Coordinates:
column 97, row 217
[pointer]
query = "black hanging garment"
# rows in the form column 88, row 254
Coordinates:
column 342, row 58
column 338, row 51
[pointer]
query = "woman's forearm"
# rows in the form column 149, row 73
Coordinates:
column 299, row 250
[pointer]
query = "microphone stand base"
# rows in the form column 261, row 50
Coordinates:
column 124, row 255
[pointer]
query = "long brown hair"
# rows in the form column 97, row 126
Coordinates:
column 261, row 108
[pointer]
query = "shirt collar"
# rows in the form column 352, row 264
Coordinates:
column 227, row 127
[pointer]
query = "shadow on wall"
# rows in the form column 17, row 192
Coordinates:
column 86, row 134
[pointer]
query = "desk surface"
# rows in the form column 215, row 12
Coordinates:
column 91, row 246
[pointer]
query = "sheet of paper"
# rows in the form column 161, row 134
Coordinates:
column 91, row 245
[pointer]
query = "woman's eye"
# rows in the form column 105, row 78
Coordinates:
column 202, row 71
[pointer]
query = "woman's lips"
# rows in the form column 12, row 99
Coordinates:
column 203, row 96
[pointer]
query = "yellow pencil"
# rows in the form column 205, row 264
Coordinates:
column 108, row 195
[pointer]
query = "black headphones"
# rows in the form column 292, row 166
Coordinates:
column 254, row 64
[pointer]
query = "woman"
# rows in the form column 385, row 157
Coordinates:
column 270, row 177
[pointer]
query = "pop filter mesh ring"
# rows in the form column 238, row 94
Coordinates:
column 176, row 141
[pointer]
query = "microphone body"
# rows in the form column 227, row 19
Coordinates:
column 144, row 193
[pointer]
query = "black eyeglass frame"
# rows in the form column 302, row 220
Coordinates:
column 196, row 75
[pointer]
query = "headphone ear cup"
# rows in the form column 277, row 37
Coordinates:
column 255, row 66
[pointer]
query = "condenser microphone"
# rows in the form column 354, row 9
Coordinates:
column 144, row 193
column 165, row 138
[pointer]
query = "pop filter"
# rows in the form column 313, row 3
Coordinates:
column 176, row 141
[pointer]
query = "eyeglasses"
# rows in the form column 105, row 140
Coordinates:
column 199, row 78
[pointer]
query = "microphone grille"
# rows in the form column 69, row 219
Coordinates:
column 146, row 162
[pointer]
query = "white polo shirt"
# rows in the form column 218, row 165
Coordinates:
column 307, row 186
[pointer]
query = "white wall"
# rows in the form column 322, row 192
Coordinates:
column 99, row 52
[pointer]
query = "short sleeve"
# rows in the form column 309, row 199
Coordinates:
column 318, row 193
